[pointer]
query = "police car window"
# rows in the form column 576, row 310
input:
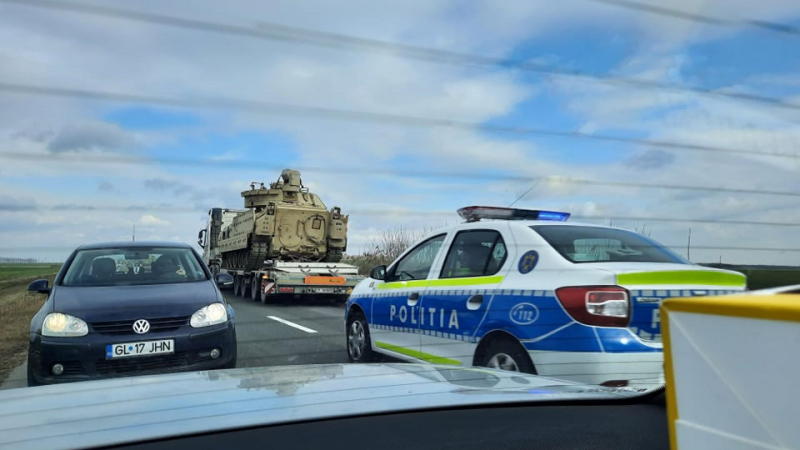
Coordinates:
column 417, row 263
column 474, row 253
column 581, row 244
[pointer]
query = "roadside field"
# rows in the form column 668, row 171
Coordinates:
column 763, row 278
column 17, row 307
column 16, row 271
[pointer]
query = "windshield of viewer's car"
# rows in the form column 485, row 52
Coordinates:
column 596, row 244
column 133, row 266
column 487, row 185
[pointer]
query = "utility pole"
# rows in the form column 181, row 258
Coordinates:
column 133, row 236
column 689, row 245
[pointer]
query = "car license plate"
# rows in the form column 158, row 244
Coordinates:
column 146, row 348
column 324, row 290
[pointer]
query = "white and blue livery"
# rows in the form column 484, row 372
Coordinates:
column 528, row 291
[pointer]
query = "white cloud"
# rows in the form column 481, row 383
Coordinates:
column 79, row 51
column 151, row 220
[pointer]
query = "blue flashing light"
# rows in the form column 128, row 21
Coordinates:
column 553, row 215
column 475, row 213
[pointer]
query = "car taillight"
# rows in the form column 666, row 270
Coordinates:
column 601, row 306
column 286, row 290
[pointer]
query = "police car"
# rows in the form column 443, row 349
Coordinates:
column 525, row 290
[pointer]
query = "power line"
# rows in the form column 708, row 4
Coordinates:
column 359, row 116
column 371, row 171
column 378, row 212
column 689, row 220
column 282, row 33
column 700, row 18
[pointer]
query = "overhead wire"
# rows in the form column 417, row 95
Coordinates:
column 266, row 107
column 283, row 33
column 354, row 115
column 375, row 171
column 14, row 207
column 701, row 18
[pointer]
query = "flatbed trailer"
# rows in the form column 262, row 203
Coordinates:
column 298, row 280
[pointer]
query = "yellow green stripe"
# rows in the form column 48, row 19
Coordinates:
column 417, row 354
column 403, row 284
column 698, row 277
column 467, row 281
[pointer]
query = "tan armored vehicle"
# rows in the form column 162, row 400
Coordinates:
column 284, row 222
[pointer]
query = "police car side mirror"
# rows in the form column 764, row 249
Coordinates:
column 378, row 273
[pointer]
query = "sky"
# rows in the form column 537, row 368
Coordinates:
column 75, row 169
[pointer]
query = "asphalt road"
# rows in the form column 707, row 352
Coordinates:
column 285, row 332
column 288, row 332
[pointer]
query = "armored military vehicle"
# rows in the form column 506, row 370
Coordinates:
column 285, row 241
column 284, row 222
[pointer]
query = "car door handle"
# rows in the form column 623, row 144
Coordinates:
column 474, row 302
column 413, row 298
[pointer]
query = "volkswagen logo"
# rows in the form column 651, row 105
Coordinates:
column 141, row 326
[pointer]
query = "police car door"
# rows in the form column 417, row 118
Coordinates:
column 460, row 292
column 394, row 325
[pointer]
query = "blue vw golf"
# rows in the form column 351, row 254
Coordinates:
column 132, row 308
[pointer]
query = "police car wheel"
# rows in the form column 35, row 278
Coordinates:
column 504, row 362
column 358, row 344
column 506, row 355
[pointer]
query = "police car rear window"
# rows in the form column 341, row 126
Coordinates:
column 581, row 244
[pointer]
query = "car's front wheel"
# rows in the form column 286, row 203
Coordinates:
column 358, row 344
column 232, row 363
column 31, row 379
column 505, row 354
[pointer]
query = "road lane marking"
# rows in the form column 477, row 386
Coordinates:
column 291, row 324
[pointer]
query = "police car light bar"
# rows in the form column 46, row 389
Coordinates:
column 476, row 213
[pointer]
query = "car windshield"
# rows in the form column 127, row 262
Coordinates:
column 133, row 266
column 595, row 244
column 224, row 189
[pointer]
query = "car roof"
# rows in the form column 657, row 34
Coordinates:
column 528, row 223
column 492, row 223
column 523, row 223
column 129, row 244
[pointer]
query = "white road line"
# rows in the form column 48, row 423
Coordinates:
column 291, row 324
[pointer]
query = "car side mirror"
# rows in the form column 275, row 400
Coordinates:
column 378, row 273
column 223, row 280
column 39, row 286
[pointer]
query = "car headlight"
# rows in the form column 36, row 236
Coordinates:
column 64, row 325
column 210, row 315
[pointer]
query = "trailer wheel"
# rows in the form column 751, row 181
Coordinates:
column 244, row 291
column 263, row 296
column 255, row 287
column 237, row 282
